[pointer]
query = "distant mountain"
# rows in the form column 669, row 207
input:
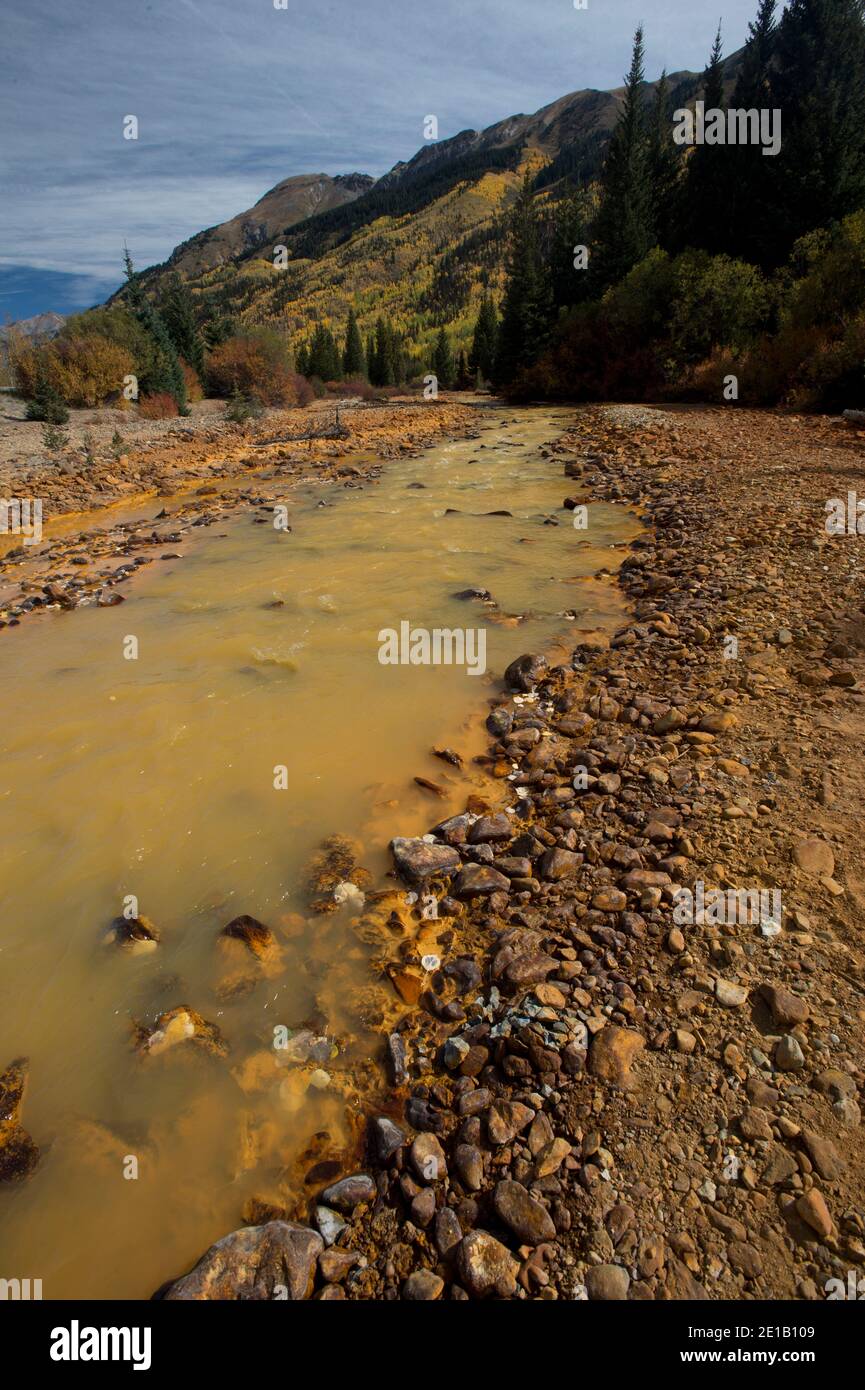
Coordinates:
column 39, row 326
column 294, row 200
column 421, row 244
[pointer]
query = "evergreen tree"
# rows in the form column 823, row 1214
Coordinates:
column 325, row 360
column 664, row 165
column 178, row 313
column 218, row 330
column 464, row 376
column 303, row 359
column 750, row 218
column 381, row 366
column 167, row 373
column 705, row 213
column 623, row 227
column 371, row 364
column 352, row 358
column 482, row 356
column 570, row 281
column 443, row 361
column 527, row 308
column 819, row 84
column 47, row 403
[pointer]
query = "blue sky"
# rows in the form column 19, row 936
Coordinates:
column 233, row 95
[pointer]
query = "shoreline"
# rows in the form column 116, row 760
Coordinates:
column 595, row 1101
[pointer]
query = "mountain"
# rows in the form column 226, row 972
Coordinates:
column 294, row 200
column 421, row 244
column 39, row 326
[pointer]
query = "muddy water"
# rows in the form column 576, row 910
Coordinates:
column 154, row 777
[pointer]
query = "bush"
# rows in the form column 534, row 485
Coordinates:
column 242, row 408
column 194, row 391
column 83, row 371
column 119, row 326
column 159, row 406
column 47, row 404
column 258, row 365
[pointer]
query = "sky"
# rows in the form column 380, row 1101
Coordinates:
column 232, row 96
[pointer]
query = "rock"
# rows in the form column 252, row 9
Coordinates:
column 418, row 860
column 838, row 1085
column 485, row 1266
column 780, row 1168
column 18, row 1153
column 349, row 1192
column 787, row 1009
column 718, row 721
column 137, row 935
column 257, row 938
column 556, row 864
column 178, row 1025
column 613, row 1052
column 329, row 1223
column 754, row 1124
column 479, row 880
column 448, row 1232
column 788, row 1054
column 607, row 1283
column 455, row 1052
column 530, row 968
column 469, row 1163
column 423, row 1286
column 526, row 1217
column 609, row 900
column 814, row 857
column 811, row 1207
column 334, row 1265
column 524, row 673
column 396, row 1066
column 506, row 1119
column 428, row 1158
column 489, row 828
column 257, row 1262
column 730, row 995
column 385, row 1137
column 745, row 1258
column 823, row 1155
column 550, row 1158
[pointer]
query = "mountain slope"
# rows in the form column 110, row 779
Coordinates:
column 421, row 244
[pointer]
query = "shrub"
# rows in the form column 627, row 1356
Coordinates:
column 119, row 326
column 159, row 406
column 258, row 365
column 83, row 371
column 241, row 408
column 47, row 404
column 194, row 390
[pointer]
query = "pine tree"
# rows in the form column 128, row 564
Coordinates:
column 750, row 218
column 371, row 363
column 527, row 311
column 483, row 350
column 464, row 376
column 353, row 364
column 381, row 364
column 303, row 359
column 664, row 165
column 178, row 314
column 167, row 373
column 443, row 361
column 705, row 213
column 623, row 227
column 325, row 360
column 570, row 281
column 819, row 84
column 47, row 404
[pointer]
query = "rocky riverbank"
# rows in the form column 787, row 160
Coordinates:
column 613, row 1089
column 200, row 470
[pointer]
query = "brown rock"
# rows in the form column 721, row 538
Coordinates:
column 257, row 1262
column 485, row 1266
column 613, row 1052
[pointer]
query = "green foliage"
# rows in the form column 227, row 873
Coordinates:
column 623, row 230
column 527, row 309
column 167, row 373
column 482, row 358
column 241, row 408
column 325, row 359
column 177, row 308
column 54, row 440
column 47, row 404
column 443, row 361
column 353, row 360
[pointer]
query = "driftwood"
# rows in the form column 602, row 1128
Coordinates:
column 335, row 429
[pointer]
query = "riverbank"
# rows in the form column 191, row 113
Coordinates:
column 605, row 1095
column 98, row 520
